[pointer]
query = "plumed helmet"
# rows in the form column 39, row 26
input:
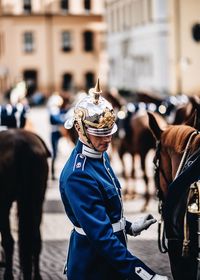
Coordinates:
column 94, row 114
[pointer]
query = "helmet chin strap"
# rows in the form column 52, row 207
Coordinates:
column 84, row 134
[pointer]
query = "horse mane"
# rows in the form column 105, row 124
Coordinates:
column 177, row 136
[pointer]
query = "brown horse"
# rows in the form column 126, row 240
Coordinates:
column 148, row 97
column 139, row 141
column 23, row 178
column 184, row 111
column 177, row 167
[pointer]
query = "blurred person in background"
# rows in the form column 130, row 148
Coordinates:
column 14, row 112
column 58, row 105
column 91, row 194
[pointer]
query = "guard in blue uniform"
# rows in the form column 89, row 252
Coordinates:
column 58, row 106
column 13, row 116
column 91, row 195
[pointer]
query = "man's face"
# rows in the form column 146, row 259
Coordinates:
column 100, row 143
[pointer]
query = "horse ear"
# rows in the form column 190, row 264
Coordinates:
column 195, row 100
column 194, row 120
column 154, row 127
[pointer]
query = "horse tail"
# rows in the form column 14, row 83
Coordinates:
column 32, row 188
column 32, row 174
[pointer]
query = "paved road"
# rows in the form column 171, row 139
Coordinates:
column 56, row 227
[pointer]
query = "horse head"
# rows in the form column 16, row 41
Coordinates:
column 171, row 144
column 177, row 170
column 184, row 111
column 163, row 158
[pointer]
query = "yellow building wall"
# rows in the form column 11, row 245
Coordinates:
column 48, row 59
column 184, row 51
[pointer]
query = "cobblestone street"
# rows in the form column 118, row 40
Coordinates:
column 56, row 227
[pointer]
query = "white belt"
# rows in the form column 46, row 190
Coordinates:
column 120, row 225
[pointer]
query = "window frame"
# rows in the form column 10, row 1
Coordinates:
column 66, row 43
column 28, row 43
column 87, row 5
column 27, row 6
column 88, row 43
column 70, row 81
column 64, row 5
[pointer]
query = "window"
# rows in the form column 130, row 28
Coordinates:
column 30, row 77
column 28, row 42
column 64, row 5
column 67, row 81
column 88, row 41
column 89, row 80
column 66, row 41
column 27, row 6
column 87, row 5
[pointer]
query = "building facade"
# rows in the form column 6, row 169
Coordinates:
column 184, row 48
column 53, row 45
column 151, row 45
column 139, row 29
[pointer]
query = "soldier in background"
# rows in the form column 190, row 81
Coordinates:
column 58, row 105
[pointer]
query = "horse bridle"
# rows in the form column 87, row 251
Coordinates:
column 157, row 170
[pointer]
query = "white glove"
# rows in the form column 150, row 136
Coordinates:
column 142, row 223
column 159, row 277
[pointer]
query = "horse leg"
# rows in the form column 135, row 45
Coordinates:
column 42, row 183
column 25, row 238
column 146, row 180
column 37, row 241
column 133, row 167
column 124, row 175
column 121, row 156
column 131, row 191
column 7, row 242
column 121, row 153
column 36, row 254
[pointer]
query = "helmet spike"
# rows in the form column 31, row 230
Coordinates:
column 97, row 88
column 96, row 92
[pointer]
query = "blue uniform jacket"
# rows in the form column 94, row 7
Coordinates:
column 13, row 116
column 91, row 196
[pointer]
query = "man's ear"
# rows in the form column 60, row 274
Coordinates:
column 77, row 127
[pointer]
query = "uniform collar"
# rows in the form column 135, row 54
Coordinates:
column 87, row 151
